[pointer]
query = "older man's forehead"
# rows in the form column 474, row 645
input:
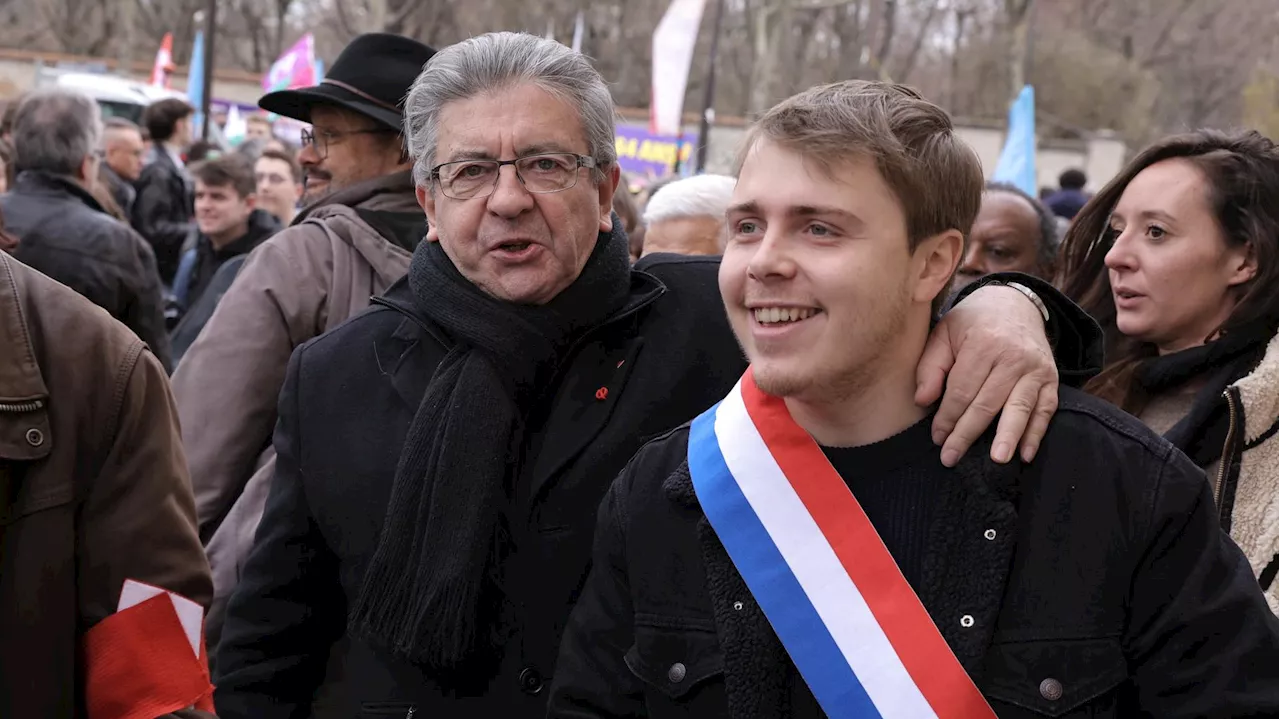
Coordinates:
column 525, row 120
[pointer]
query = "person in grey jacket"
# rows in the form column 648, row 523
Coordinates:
column 63, row 231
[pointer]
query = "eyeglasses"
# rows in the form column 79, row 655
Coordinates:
column 543, row 173
column 324, row 138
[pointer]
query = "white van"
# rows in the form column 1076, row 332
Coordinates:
column 118, row 96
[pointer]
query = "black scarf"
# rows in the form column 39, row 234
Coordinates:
column 1203, row 432
column 432, row 593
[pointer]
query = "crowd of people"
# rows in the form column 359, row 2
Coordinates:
column 434, row 416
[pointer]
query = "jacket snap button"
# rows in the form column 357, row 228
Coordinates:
column 990, row 534
column 35, row 437
column 530, row 681
column 966, row 621
column 737, row 606
column 676, row 673
column 1051, row 689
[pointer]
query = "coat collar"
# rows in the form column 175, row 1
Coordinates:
column 1258, row 394
column 46, row 183
column 388, row 193
column 21, row 383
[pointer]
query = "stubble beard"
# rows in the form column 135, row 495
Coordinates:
column 850, row 373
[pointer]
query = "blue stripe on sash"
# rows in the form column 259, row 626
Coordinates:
column 771, row 581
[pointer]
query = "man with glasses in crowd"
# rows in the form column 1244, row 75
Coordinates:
column 352, row 240
column 278, row 177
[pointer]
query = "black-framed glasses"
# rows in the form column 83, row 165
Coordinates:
column 323, row 139
column 542, row 173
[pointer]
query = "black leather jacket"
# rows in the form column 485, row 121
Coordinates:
column 64, row 233
column 163, row 210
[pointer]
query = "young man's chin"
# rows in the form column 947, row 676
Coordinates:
column 779, row 381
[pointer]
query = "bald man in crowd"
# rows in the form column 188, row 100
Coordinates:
column 686, row 217
column 122, row 161
column 1014, row 232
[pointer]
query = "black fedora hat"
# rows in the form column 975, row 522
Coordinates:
column 371, row 76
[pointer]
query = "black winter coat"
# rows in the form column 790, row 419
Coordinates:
column 1084, row 584
column 344, row 411
column 162, row 210
column 64, row 233
column 262, row 225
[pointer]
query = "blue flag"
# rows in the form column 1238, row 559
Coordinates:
column 195, row 81
column 1017, row 164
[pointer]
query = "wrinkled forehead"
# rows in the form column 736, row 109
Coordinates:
column 508, row 122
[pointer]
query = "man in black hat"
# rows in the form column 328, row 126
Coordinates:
column 350, row 243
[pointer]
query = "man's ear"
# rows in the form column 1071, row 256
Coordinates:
column 251, row 200
column 937, row 258
column 607, row 187
column 87, row 172
column 427, row 201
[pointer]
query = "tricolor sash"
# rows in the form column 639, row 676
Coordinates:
column 855, row 629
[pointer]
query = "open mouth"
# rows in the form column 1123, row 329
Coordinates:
column 514, row 246
column 782, row 315
column 1126, row 295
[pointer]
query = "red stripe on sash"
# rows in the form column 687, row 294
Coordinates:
column 139, row 664
column 906, row 623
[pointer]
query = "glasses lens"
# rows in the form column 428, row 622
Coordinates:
column 548, row 173
column 468, row 179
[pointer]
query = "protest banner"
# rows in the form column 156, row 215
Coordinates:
column 645, row 154
column 295, row 68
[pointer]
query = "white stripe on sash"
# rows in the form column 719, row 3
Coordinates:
column 819, row 572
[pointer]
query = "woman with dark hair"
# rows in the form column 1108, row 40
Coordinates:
column 1176, row 259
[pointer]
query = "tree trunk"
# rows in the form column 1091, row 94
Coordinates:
column 1019, row 24
column 890, row 25
column 766, row 46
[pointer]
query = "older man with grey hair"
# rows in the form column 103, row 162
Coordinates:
column 62, row 230
column 687, row 217
column 440, row 457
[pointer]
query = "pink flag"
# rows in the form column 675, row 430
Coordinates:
column 295, row 68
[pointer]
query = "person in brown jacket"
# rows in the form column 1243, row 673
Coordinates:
column 351, row 243
column 95, row 504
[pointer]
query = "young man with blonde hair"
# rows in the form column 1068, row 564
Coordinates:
column 797, row 551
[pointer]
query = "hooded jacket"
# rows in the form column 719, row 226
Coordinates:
column 305, row 280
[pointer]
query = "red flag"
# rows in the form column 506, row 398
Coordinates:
column 163, row 66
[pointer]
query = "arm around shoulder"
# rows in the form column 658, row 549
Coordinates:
column 1075, row 336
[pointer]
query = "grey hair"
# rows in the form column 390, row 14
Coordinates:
column 496, row 61
column 55, row 129
column 697, row 196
